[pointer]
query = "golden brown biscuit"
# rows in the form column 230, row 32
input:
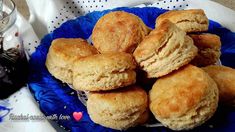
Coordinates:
column 165, row 49
column 225, row 79
column 62, row 54
column 184, row 99
column 119, row 109
column 118, row 32
column 209, row 46
column 193, row 20
column 104, row 71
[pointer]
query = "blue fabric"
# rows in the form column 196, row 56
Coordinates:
column 53, row 95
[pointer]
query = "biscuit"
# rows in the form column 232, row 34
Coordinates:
column 165, row 49
column 193, row 20
column 118, row 32
column 225, row 79
column 119, row 109
column 104, row 72
column 209, row 46
column 184, row 99
column 62, row 54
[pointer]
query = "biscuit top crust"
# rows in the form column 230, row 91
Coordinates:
column 106, row 62
column 118, row 31
column 156, row 40
column 125, row 99
column 177, row 93
column 177, row 16
column 206, row 40
column 70, row 49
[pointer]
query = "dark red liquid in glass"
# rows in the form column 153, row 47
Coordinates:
column 13, row 71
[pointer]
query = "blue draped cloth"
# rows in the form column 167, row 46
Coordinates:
column 55, row 97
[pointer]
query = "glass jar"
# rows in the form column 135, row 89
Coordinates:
column 13, row 62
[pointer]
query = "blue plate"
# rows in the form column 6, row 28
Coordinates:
column 55, row 97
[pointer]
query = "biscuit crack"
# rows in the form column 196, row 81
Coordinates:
column 183, row 21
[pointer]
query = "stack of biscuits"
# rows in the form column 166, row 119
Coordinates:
column 178, row 55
